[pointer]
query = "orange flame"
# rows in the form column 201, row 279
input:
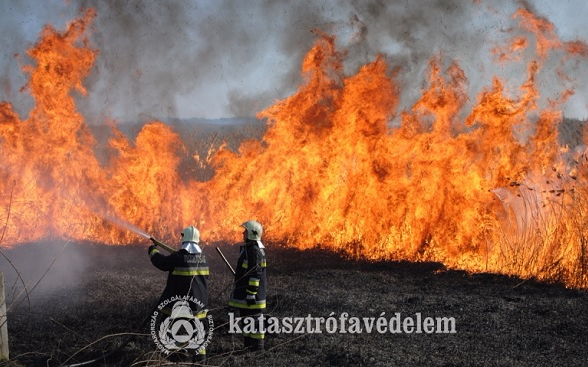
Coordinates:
column 484, row 190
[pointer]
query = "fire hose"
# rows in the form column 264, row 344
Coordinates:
column 171, row 250
column 162, row 245
column 156, row 242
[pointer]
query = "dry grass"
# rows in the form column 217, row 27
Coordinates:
column 500, row 320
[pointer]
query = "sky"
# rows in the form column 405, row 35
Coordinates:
column 221, row 59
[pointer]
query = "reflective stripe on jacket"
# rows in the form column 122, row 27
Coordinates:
column 250, row 277
column 187, row 275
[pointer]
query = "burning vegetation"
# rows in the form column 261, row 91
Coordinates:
column 481, row 184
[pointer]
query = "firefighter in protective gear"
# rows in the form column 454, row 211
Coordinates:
column 187, row 276
column 249, row 294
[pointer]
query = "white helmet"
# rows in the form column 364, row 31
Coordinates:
column 254, row 230
column 190, row 234
column 190, row 239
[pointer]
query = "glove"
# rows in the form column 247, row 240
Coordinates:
column 250, row 299
column 151, row 248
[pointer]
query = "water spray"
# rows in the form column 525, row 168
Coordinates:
column 138, row 231
column 126, row 225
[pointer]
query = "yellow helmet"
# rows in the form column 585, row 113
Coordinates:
column 254, row 230
column 190, row 234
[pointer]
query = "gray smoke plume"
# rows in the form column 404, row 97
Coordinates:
column 182, row 59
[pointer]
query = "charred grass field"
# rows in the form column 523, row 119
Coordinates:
column 91, row 302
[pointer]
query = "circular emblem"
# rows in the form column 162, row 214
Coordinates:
column 182, row 328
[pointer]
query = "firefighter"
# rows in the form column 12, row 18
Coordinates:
column 187, row 277
column 249, row 293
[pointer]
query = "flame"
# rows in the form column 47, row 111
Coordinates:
column 479, row 184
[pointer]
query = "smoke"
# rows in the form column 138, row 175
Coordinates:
column 20, row 24
column 157, row 56
column 179, row 59
column 34, row 271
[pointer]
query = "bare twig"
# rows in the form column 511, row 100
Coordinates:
column 95, row 342
column 5, row 256
column 40, row 279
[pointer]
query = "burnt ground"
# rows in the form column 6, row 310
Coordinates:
column 96, row 300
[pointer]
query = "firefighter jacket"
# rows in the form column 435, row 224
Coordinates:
column 250, row 277
column 187, row 277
